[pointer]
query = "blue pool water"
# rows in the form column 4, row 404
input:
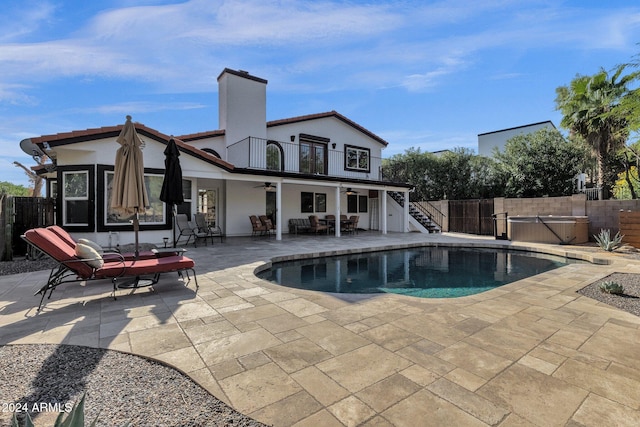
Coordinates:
column 426, row 272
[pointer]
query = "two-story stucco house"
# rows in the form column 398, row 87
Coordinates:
column 317, row 164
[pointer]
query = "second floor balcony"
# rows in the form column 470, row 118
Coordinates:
column 306, row 158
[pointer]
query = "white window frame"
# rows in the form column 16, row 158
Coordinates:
column 66, row 198
column 143, row 220
column 359, row 152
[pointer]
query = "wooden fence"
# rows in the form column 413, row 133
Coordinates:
column 471, row 216
column 630, row 227
column 19, row 214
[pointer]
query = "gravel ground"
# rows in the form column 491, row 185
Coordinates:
column 629, row 301
column 119, row 388
column 123, row 387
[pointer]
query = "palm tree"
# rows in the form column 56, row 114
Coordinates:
column 591, row 109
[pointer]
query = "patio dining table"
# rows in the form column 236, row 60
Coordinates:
column 345, row 224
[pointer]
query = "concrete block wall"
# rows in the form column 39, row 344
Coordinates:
column 605, row 214
column 570, row 205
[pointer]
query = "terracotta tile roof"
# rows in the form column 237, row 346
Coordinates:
column 87, row 134
column 202, row 135
column 77, row 136
column 332, row 113
column 202, row 154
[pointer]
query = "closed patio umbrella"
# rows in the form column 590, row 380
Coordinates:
column 129, row 196
column 171, row 192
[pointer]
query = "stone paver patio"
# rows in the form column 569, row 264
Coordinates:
column 531, row 353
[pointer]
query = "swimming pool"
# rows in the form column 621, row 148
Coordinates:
column 426, row 272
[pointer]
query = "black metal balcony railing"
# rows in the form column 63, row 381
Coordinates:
column 252, row 153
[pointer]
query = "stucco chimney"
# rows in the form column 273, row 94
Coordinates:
column 242, row 105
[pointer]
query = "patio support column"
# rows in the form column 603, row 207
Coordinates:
column 278, row 210
column 383, row 211
column 337, row 213
column 405, row 213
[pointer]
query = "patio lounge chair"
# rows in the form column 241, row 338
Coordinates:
column 76, row 266
column 189, row 229
column 209, row 230
column 106, row 255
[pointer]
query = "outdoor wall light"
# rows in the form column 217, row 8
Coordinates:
column 293, row 138
column 333, row 145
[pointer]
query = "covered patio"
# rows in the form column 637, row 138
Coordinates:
column 533, row 352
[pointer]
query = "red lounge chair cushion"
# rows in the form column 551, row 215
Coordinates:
column 144, row 267
column 54, row 246
column 62, row 233
column 109, row 256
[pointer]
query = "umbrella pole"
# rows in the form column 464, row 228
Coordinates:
column 136, row 229
column 173, row 229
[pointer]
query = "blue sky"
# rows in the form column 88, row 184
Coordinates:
column 424, row 74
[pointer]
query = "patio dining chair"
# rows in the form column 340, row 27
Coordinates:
column 266, row 221
column 331, row 222
column 353, row 223
column 344, row 223
column 258, row 228
column 316, row 225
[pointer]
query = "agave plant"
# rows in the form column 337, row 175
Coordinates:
column 607, row 243
column 611, row 287
column 74, row 419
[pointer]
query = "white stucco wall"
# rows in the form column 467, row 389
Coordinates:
column 242, row 107
column 338, row 133
column 216, row 143
column 395, row 214
column 243, row 199
column 336, row 130
column 488, row 141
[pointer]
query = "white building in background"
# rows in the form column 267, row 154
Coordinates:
column 497, row 139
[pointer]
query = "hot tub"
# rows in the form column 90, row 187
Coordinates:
column 549, row 229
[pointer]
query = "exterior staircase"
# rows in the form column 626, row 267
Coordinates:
column 417, row 212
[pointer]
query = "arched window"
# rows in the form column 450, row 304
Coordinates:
column 211, row 151
column 275, row 156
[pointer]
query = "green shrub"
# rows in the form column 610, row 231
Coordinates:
column 607, row 243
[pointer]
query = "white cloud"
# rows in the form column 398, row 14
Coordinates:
column 139, row 107
column 198, row 38
column 15, row 94
column 24, row 18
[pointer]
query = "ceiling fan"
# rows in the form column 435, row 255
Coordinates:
column 267, row 186
column 349, row 191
